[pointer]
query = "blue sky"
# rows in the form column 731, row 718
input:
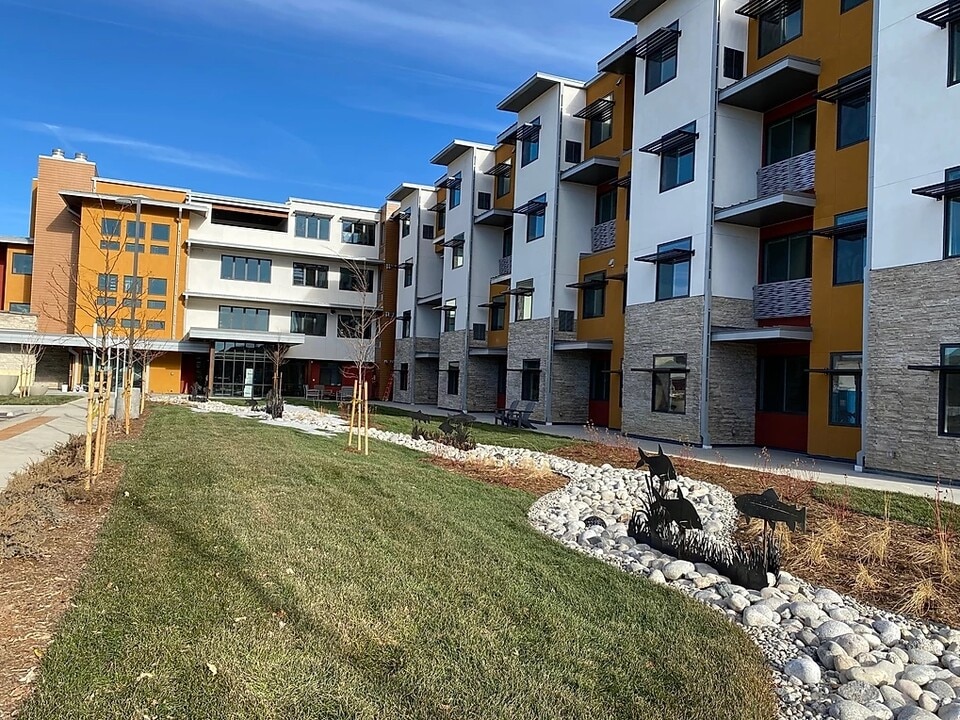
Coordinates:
column 329, row 99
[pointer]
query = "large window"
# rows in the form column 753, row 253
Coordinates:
column 353, row 326
column 241, row 370
column 600, row 131
column 359, row 233
column 530, row 147
column 312, row 226
column 950, row 390
column 953, row 53
column 449, row 317
column 786, row 258
column 107, row 282
column 670, row 384
column 530, row 381
column 233, row 267
column 853, row 119
column 783, row 384
column 951, row 209
column 352, row 281
column 673, row 273
column 660, row 66
column 159, row 232
column 306, row 275
column 779, row 25
column 606, row 206
column 110, row 227
column 22, row 264
column 157, row 286
column 244, row 318
column 676, row 165
column 848, row 249
column 498, row 315
column 135, row 230
column 455, row 193
column 791, row 136
column 845, row 395
column 503, row 184
column 594, row 295
column 308, row 323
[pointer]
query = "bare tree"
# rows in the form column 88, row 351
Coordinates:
column 31, row 352
column 277, row 352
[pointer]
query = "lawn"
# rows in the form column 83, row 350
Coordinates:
column 38, row 399
column 910, row 509
column 254, row 572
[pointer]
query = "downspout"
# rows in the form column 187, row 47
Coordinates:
column 708, row 244
column 415, row 310
column 868, row 250
column 465, row 378
column 551, row 331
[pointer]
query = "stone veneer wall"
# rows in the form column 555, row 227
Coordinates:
column 528, row 340
column 733, row 377
column 571, row 387
column 907, row 325
column 404, row 353
column 662, row 328
column 426, row 371
column 451, row 350
column 482, row 384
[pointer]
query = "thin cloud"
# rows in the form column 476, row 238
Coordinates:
column 426, row 115
column 76, row 137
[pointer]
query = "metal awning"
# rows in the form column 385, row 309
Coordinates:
column 401, row 215
column 573, row 345
column 519, row 290
column 438, row 207
column 775, row 9
column 455, row 241
column 950, row 188
column 257, row 336
column 786, row 79
column 769, row 210
column 592, row 171
column 657, row 40
column 500, row 168
column 941, row 14
column 433, row 297
column 401, row 266
column 528, row 131
column 673, row 140
column 493, row 304
column 623, row 182
column 449, row 182
column 667, row 256
column 635, row 10
column 488, row 352
column 496, row 217
column 857, row 83
column 669, row 369
column 534, row 207
column 427, row 355
column 599, row 110
column 834, row 371
column 764, row 334
column 833, row 231
column 588, row 284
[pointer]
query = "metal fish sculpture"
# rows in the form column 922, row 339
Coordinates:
column 452, row 421
column 768, row 507
column 420, row 416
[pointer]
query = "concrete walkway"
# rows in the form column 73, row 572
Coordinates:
column 35, row 430
column 777, row 462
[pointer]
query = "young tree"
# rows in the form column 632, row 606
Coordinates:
column 31, row 352
column 277, row 352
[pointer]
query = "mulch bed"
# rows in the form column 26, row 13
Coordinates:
column 534, row 481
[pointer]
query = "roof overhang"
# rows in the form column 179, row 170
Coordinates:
column 216, row 334
column 788, row 78
column 313, row 304
column 430, row 299
column 200, row 242
column 75, row 198
column 455, row 149
column 593, row 171
column 635, row 10
column 574, row 345
column 488, row 352
column 533, row 88
column 769, row 210
column 496, row 217
column 404, row 190
column 764, row 334
column 622, row 61
column 13, row 240
column 17, row 337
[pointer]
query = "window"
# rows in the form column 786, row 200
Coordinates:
column 428, row 232
column 599, row 390
column 405, row 324
column 594, row 296
column 951, row 209
column 109, row 245
column 354, row 282
column 135, row 231
column 453, row 378
column 20, row 308
column 134, row 248
column 106, row 322
column 530, row 147
column 779, row 25
column 845, row 389
column 783, row 384
column 110, row 227
column 530, row 381
column 156, row 304
column 523, row 310
column 506, row 244
column 233, row 267
column 660, row 66
column 537, row 222
column 404, row 376
column 159, row 250
column 441, row 220
column 566, row 321
column 607, row 206
column 156, row 324
column 484, row 201
column 949, row 390
column 407, row 275
column 131, row 303
column 670, row 384
column 503, row 184
column 848, row 249
column 352, row 326
column 312, row 226
column 573, row 152
column 405, row 223
column 853, row 119
column 243, row 318
column 850, row 4
column 676, row 165
column 127, row 323
column 673, row 275
column 449, row 317
column 308, row 323
column 457, row 257
column 22, row 264
column 953, row 53
column 159, row 232
column 498, row 315
column 157, row 286
column 479, row 332
column 131, row 286
column 106, row 301
column 359, row 233
column 733, row 62
column 787, row 258
column 600, row 131
column 791, row 136
column 107, row 283
column 305, row 275
column 455, row 192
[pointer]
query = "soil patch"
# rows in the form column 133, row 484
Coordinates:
column 534, row 480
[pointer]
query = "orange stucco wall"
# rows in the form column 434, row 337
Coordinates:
column 503, row 153
column 498, row 338
column 16, row 288
column 622, row 132
column 164, row 375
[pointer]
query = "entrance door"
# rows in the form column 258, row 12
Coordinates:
column 599, row 407
column 782, row 400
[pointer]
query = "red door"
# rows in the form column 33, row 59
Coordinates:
column 598, row 409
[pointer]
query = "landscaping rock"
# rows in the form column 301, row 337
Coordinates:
column 915, row 713
column 677, row 569
column 803, row 669
column 833, row 629
column 860, row 692
column 849, row 710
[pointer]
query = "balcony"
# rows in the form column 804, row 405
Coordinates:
column 791, row 175
column 780, row 82
column 784, row 193
column 506, row 266
column 603, row 236
column 788, row 299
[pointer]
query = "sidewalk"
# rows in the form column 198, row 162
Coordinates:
column 752, row 458
column 34, row 431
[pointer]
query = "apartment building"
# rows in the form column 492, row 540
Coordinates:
column 206, row 283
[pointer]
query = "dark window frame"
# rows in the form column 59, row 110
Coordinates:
column 594, row 299
column 682, row 244
column 612, row 195
column 848, row 5
column 259, row 264
column 404, row 380
column 857, row 419
column 848, row 102
column 784, row 40
column 19, row 259
column 308, row 322
column 945, row 376
column 763, row 368
column 530, row 148
column 841, row 237
column 793, row 119
column 600, row 131
column 658, row 60
column 503, row 184
column 671, row 372
column 670, row 184
column 453, row 378
column 301, row 226
column 789, row 239
column 455, row 194
column 497, row 317
column 319, row 272
column 530, row 381
column 951, row 204
column 953, row 53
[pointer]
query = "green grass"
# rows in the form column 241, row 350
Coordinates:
column 38, row 399
column 406, row 592
column 909, row 509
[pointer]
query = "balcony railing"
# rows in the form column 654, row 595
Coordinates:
column 791, row 175
column 782, row 299
column 603, row 236
column 506, row 265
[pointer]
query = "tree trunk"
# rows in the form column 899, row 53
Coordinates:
column 88, row 440
column 127, row 398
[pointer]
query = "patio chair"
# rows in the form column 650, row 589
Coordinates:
column 312, row 394
column 504, row 415
column 522, row 419
column 346, row 393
